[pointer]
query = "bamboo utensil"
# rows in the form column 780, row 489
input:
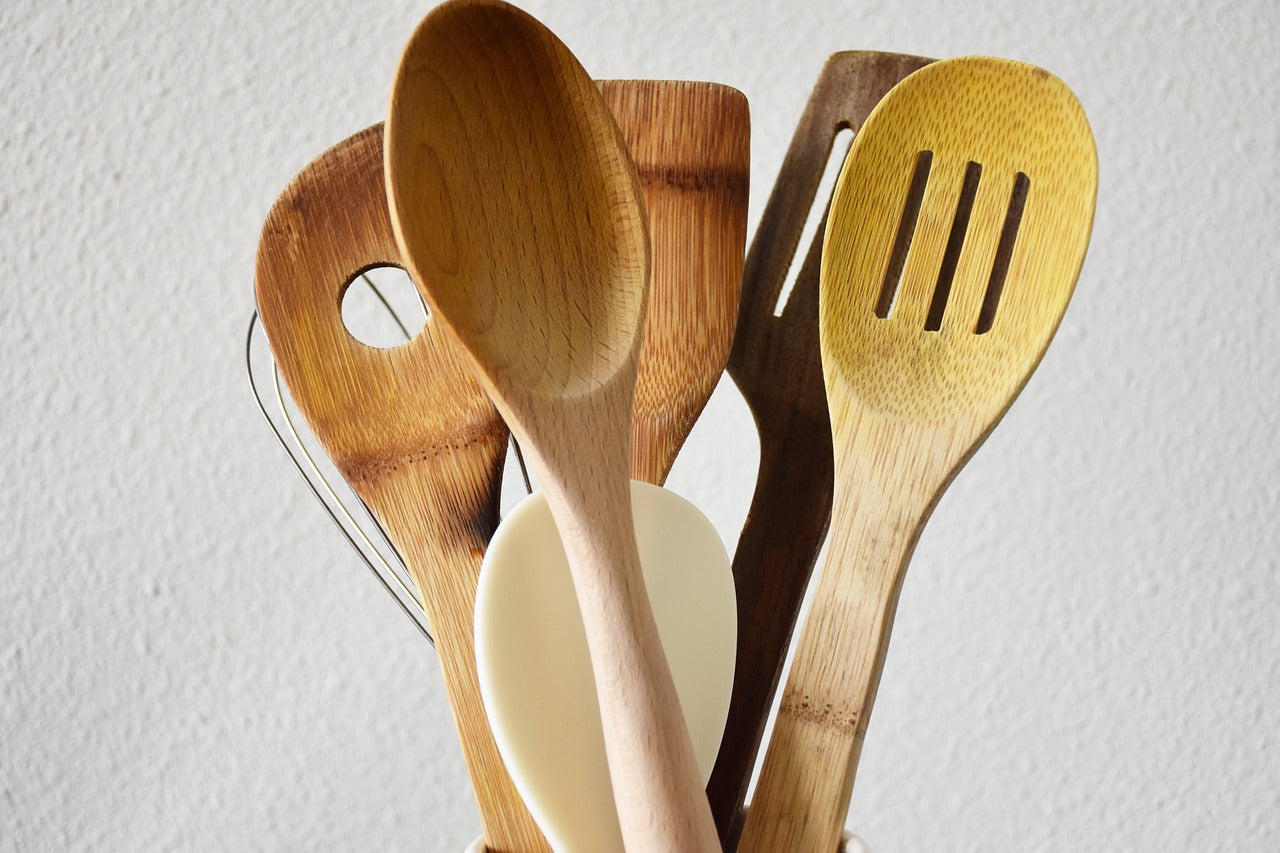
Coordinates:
column 519, row 213
column 954, row 240
column 691, row 143
column 408, row 427
column 775, row 364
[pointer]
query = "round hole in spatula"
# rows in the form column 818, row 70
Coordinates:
column 382, row 308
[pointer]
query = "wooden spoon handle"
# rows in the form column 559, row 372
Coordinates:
column 657, row 785
column 806, row 782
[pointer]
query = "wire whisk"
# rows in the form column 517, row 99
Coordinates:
column 345, row 509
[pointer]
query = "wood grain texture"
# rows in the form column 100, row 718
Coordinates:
column 520, row 216
column 691, row 143
column 409, row 428
column 910, row 406
column 776, row 365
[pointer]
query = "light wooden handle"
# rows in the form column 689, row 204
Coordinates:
column 806, row 782
column 656, row 782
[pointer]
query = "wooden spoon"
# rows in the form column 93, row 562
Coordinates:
column 520, row 214
column 409, row 427
column 955, row 237
column 776, row 365
column 691, row 145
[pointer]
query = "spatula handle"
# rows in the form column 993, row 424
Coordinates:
column 802, row 799
column 781, row 538
column 443, row 546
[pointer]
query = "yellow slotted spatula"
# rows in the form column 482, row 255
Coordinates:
column 955, row 237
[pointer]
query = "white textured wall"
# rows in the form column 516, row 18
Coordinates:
column 1086, row 654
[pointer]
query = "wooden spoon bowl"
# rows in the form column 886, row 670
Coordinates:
column 553, row 317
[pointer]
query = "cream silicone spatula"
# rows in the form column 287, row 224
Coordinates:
column 535, row 672
column 953, row 243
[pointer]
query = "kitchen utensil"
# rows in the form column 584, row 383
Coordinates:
column 668, row 125
column 343, row 507
column 535, row 671
column 408, row 427
column 775, row 364
column 955, row 237
column 691, row 145
column 518, row 210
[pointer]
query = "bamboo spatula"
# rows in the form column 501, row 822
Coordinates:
column 954, row 240
column 409, row 428
column 776, row 365
column 691, row 143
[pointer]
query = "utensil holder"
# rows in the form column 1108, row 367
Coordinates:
column 850, row 844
